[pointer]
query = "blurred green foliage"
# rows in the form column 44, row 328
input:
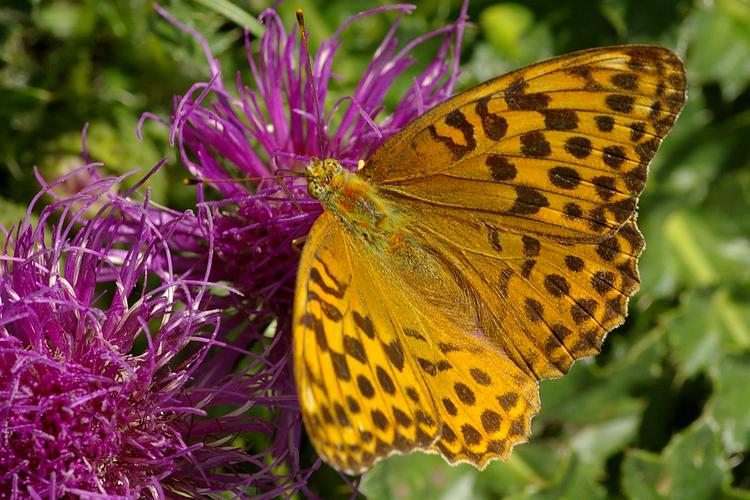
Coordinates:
column 664, row 411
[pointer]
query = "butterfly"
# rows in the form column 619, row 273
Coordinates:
column 486, row 246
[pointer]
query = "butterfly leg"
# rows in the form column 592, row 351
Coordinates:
column 298, row 243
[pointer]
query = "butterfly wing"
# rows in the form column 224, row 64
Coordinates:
column 357, row 384
column 387, row 360
column 528, row 185
column 558, row 149
column 543, row 302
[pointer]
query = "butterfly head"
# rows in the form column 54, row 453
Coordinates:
column 319, row 175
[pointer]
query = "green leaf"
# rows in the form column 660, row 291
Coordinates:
column 576, row 481
column 709, row 326
column 596, row 443
column 690, row 468
column 504, row 25
column 730, row 405
column 721, row 51
column 236, row 14
column 417, row 476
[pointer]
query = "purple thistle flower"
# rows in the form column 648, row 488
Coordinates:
column 108, row 358
column 274, row 122
column 276, row 118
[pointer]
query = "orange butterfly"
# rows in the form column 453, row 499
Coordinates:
column 488, row 245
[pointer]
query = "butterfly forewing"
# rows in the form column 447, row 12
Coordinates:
column 361, row 394
column 558, row 149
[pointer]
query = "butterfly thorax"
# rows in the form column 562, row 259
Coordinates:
column 356, row 203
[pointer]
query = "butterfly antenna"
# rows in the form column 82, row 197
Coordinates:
column 193, row 181
column 316, row 103
column 276, row 175
column 289, row 172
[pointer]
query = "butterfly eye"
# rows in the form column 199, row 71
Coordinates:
column 316, row 190
column 331, row 165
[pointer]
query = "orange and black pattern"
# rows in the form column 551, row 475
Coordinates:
column 514, row 254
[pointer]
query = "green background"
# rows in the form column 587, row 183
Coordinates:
column 664, row 411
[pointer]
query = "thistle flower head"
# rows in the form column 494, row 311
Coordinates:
column 103, row 356
column 282, row 119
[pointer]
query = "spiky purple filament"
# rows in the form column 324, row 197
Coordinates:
column 99, row 343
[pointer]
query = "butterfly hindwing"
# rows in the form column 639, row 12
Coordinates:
column 558, row 149
column 544, row 303
column 361, row 395
column 382, row 368
column 485, row 401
